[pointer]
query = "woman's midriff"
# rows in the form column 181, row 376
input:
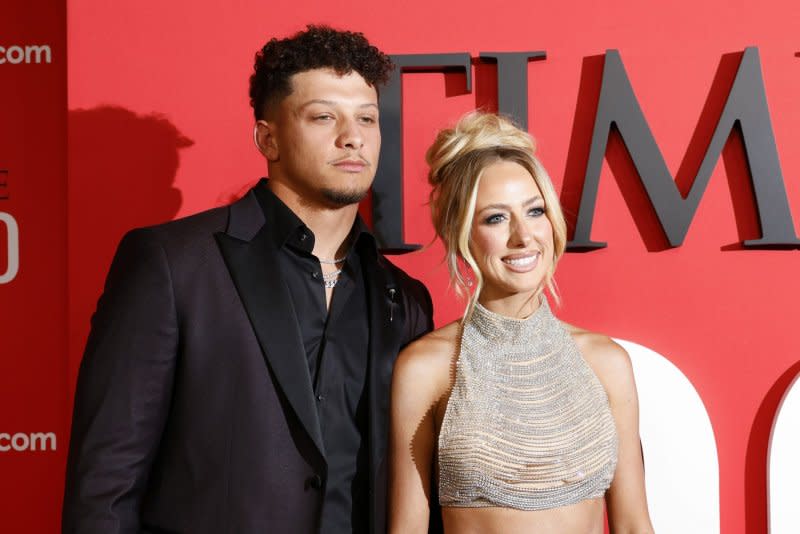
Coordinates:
column 585, row 517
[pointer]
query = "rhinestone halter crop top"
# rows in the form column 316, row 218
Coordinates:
column 527, row 424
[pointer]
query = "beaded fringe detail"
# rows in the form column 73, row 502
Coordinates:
column 527, row 423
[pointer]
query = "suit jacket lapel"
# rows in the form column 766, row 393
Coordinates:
column 251, row 257
column 386, row 326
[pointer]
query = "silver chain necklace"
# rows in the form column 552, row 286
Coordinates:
column 332, row 262
column 331, row 279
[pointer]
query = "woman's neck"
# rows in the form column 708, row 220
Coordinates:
column 516, row 305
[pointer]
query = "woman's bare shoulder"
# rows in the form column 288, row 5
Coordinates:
column 610, row 362
column 433, row 350
column 423, row 368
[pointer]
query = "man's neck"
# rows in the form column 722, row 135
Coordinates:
column 330, row 225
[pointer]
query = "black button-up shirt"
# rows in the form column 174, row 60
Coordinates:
column 336, row 346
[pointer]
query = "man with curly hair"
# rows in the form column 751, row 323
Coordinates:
column 236, row 378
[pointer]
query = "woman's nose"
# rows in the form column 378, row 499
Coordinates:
column 521, row 235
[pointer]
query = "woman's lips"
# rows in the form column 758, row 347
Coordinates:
column 522, row 263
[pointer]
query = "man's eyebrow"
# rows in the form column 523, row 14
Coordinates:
column 333, row 103
column 317, row 101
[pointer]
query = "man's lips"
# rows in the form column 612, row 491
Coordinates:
column 351, row 165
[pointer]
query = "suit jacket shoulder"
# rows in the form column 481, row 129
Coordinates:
column 415, row 299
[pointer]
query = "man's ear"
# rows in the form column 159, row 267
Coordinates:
column 264, row 137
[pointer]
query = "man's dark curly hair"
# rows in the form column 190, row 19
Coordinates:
column 315, row 48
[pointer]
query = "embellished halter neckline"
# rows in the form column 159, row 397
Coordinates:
column 527, row 424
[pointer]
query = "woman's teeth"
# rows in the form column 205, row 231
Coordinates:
column 521, row 262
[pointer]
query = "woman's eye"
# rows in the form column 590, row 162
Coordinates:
column 323, row 118
column 494, row 219
column 536, row 212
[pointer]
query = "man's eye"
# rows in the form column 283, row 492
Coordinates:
column 369, row 120
column 323, row 118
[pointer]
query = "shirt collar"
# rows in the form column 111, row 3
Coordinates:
column 286, row 228
column 282, row 223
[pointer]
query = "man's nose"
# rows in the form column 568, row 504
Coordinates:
column 350, row 135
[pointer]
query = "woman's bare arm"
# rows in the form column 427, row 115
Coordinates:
column 421, row 378
column 626, row 499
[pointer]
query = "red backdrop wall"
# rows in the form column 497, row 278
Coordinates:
column 33, row 364
column 159, row 127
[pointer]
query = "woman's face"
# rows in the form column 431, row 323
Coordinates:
column 511, row 237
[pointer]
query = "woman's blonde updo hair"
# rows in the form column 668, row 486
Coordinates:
column 457, row 159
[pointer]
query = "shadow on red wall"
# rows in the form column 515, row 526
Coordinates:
column 121, row 173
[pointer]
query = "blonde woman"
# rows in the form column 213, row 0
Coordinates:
column 510, row 420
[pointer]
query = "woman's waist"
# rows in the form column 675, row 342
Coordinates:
column 584, row 517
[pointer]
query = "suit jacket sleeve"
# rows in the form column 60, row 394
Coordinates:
column 419, row 311
column 123, row 391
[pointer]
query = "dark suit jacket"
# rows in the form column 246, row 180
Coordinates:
column 194, row 411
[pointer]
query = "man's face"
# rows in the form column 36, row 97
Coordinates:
column 325, row 138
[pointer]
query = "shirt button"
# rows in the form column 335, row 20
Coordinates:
column 315, row 275
column 303, row 236
column 315, row 482
column 320, row 398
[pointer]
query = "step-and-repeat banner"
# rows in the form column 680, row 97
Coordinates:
column 33, row 267
column 669, row 132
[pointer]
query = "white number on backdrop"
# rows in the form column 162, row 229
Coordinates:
column 678, row 444
column 783, row 464
column 12, row 262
